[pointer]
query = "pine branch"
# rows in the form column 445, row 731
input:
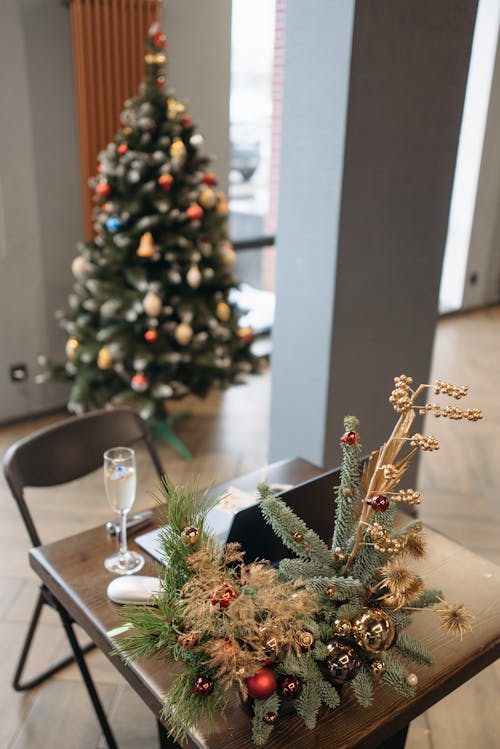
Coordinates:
column 308, row 703
column 329, row 695
column 429, row 597
column 344, row 588
column 261, row 730
column 294, row 569
column 348, row 491
column 363, row 688
column 412, row 650
column 395, row 676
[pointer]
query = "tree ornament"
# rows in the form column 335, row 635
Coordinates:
column 207, row 198
column 289, row 688
column 203, row 686
column 190, row 535
column 79, row 266
column 270, row 718
column 222, row 205
column 151, row 335
column 245, row 334
column 187, row 121
column 187, row 640
column 298, row 537
column 228, row 254
column 262, row 684
column 373, row 630
column 139, row 382
column 71, row 347
column 194, row 212
column 349, row 438
column 343, row 662
column 412, row 680
column 113, row 224
column 341, row 628
column 378, row 667
column 174, row 108
column 103, row 190
column 209, row 178
column 152, row 304
column 104, row 360
column 329, row 591
column 183, row 333
column 305, row 639
column 193, row 277
column 223, row 311
column 165, row 181
column 160, row 81
column 178, row 152
column 146, row 245
column 159, row 39
column 379, row 502
column 223, row 596
column 122, row 148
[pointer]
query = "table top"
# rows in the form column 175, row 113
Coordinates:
column 74, row 572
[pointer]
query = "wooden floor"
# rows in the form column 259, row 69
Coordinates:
column 228, row 435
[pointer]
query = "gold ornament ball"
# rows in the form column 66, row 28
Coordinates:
column 228, row 254
column 152, row 304
column 342, row 663
column 183, row 333
column 190, row 535
column 207, row 198
column 146, row 245
column 79, row 266
column 373, row 630
column 305, row 639
column 329, row 591
column 298, row 537
column 193, row 276
column 341, row 627
column 270, row 718
column 378, row 667
column 178, row 150
column 412, row 680
column 71, row 347
column 104, row 360
column 223, row 311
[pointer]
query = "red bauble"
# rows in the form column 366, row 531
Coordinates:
column 194, row 212
column 204, row 686
column 349, row 438
column 160, row 81
column 187, row 640
column 159, row 39
column 122, row 148
column 209, row 178
column 103, row 190
column 223, row 596
column 262, row 684
column 139, row 383
column 186, row 121
column 151, row 336
column 289, row 688
column 165, row 181
column 379, row 502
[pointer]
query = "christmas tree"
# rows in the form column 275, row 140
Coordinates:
column 150, row 316
column 332, row 616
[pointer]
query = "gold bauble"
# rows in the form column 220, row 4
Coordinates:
column 193, row 276
column 71, row 347
column 373, row 630
column 152, row 304
column 245, row 333
column 223, row 311
column 79, row 266
column 378, row 667
column 155, row 58
column 270, row 718
column 222, row 207
column 207, row 198
column 104, row 360
column 329, row 591
column 412, row 680
column 228, row 254
column 305, row 639
column 342, row 664
column 298, row 537
column 341, row 627
column 175, row 108
column 190, row 535
column 178, row 150
column 146, row 245
column 183, row 333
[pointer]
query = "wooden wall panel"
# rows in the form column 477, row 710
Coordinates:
column 108, row 51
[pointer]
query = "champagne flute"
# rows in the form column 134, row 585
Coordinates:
column 120, row 483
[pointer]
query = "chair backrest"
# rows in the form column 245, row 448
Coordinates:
column 69, row 450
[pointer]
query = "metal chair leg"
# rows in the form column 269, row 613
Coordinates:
column 165, row 741
column 17, row 683
column 94, row 697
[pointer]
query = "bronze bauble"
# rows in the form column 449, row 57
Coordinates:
column 342, row 663
column 374, row 630
column 190, row 535
column 378, row 667
column 341, row 628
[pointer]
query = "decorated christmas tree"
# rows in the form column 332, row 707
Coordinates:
column 334, row 615
column 150, row 316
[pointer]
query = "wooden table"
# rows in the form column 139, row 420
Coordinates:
column 73, row 570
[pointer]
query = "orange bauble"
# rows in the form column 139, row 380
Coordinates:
column 194, row 212
column 122, row 148
column 151, row 336
column 103, row 190
column 165, row 181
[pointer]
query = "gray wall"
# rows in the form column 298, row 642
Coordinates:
column 359, row 267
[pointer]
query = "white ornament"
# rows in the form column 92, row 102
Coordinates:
column 193, row 277
column 79, row 266
column 163, row 391
column 197, row 140
column 152, row 304
column 183, row 333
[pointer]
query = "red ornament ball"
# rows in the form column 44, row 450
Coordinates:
column 159, row 39
column 209, row 178
column 187, row 640
column 151, row 336
column 194, row 212
column 204, row 686
column 160, row 81
column 223, row 596
column 349, row 438
column 165, row 181
column 103, row 190
column 262, row 684
column 122, row 148
column 187, row 121
column 289, row 688
column 379, row 502
column 139, row 383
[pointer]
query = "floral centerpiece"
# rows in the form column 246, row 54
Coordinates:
column 332, row 614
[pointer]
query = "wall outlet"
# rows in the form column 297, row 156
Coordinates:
column 18, row 372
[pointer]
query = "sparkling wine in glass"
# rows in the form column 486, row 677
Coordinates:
column 120, row 483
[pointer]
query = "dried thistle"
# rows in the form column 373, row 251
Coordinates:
column 415, row 544
column 455, row 619
column 403, row 584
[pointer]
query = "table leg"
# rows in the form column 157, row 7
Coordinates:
column 165, row 741
column 397, row 741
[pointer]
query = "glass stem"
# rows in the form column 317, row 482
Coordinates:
column 123, row 533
